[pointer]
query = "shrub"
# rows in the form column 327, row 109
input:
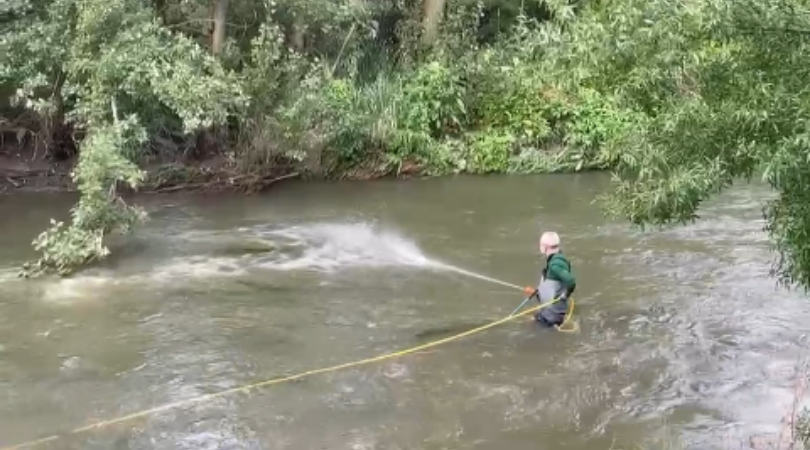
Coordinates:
column 490, row 151
column 433, row 100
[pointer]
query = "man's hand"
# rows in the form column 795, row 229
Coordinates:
column 529, row 291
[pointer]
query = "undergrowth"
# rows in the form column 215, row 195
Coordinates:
column 475, row 115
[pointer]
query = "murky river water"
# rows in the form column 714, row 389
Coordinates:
column 682, row 333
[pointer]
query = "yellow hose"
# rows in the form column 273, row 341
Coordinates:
column 569, row 314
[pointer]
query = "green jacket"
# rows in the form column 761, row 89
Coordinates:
column 557, row 281
column 558, row 268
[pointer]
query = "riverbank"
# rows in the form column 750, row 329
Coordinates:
column 24, row 171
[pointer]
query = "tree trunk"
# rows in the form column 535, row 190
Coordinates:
column 218, row 35
column 208, row 140
column 160, row 10
column 432, row 13
column 297, row 37
column 53, row 133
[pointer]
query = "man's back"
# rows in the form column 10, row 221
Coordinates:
column 558, row 268
column 557, row 283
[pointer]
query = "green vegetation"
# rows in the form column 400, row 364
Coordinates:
column 677, row 98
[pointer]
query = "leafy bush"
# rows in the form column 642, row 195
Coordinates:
column 510, row 98
column 490, row 151
column 355, row 122
column 394, row 117
column 433, row 100
column 803, row 429
column 99, row 211
column 553, row 125
column 588, row 124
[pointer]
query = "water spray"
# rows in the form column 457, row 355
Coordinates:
column 485, row 278
column 334, row 245
column 475, row 275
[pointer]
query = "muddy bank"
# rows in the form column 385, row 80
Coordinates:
column 25, row 171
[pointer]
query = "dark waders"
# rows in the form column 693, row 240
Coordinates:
column 554, row 314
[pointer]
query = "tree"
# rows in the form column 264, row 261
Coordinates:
column 116, row 64
column 720, row 89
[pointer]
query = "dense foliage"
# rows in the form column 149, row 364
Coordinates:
column 720, row 87
column 678, row 97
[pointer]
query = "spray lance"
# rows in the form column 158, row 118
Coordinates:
column 530, row 293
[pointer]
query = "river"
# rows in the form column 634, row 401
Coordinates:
column 683, row 335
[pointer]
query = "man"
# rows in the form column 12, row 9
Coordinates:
column 557, row 281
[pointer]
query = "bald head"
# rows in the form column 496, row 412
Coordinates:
column 549, row 243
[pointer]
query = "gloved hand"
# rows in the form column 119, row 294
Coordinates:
column 529, row 291
column 563, row 297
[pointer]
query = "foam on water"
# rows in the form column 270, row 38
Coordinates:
column 80, row 288
column 196, row 267
column 9, row 274
column 56, row 290
column 90, row 287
